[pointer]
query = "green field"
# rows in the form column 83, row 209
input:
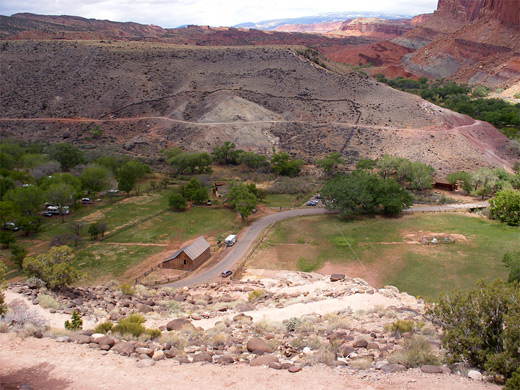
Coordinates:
column 141, row 219
column 388, row 251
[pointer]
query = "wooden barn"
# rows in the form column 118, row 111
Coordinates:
column 190, row 257
column 444, row 185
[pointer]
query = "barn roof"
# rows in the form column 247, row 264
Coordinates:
column 194, row 250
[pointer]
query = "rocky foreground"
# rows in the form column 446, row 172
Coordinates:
column 282, row 320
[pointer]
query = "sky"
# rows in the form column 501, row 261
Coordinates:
column 174, row 13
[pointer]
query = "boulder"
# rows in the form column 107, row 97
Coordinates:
column 373, row 346
column 336, row 277
column 242, row 307
column 144, row 351
column 294, row 369
column 227, row 359
column 81, row 339
column 391, row 368
column 158, row 355
column 145, row 363
column 475, row 375
column 123, row 348
column 105, row 340
column 179, row 324
column 360, row 343
column 258, row 346
column 346, row 350
column 170, row 353
column 429, row 369
column 202, row 357
column 142, row 308
column 263, row 360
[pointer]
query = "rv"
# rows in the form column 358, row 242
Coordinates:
column 230, row 240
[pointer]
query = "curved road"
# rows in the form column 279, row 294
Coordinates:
column 239, row 250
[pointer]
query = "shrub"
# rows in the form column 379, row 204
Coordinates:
column 416, row 352
column 513, row 383
column 18, row 254
column 76, row 323
column 153, row 333
column 255, row 295
column 401, row 326
column 48, row 302
column 19, row 314
column 126, row 289
column 132, row 325
column 177, row 341
column 292, row 324
column 360, row 364
column 480, row 326
column 512, row 262
column 103, row 327
column 176, row 201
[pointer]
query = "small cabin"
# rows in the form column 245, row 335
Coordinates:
column 444, row 185
column 190, row 257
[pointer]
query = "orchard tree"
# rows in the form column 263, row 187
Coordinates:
column 176, row 201
column 194, row 191
column 241, row 199
column 505, row 207
column 66, row 154
column 54, row 268
column 129, row 173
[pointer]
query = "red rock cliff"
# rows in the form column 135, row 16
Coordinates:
column 506, row 11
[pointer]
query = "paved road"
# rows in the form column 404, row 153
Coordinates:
column 239, row 250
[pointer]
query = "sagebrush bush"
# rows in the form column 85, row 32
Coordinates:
column 103, row 327
column 176, row 340
column 126, row 289
column 48, row 302
column 19, row 314
column 401, row 326
column 360, row 364
column 292, row 324
column 416, row 352
column 131, row 325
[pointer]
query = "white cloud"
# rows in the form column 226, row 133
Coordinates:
column 172, row 13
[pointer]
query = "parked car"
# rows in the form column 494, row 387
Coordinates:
column 311, row 203
column 225, row 274
column 86, row 201
column 11, row 226
column 47, row 213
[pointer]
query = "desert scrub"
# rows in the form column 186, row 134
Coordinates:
column 217, row 339
column 132, row 325
column 176, row 340
column 142, row 291
column 29, row 330
column 263, row 327
column 255, row 295
column 292, row 323
column 56, row 332
column 403, row 326
column 416, row 352
column 48, row 302
column 103, row 327
column 332, row 322
column 18, row 314
column 126, row 289
column 324, row 355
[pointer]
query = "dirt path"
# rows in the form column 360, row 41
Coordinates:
column 44, row 364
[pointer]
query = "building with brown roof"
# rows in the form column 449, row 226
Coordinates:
column 190, row 257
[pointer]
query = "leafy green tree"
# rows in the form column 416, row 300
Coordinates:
column 420, row 176
column 361, row 191
column 108, row 162
column 45, row 182
column 128, row 175
column 512, row 262
column 60, row 195
column 226, row 154
column 6, row 183
column 6, row 239
column 258, row 192
column 191, row 188
column 66, row 154
column 27, row 200
column 483, row 181
column 480, row 326
column 32, row 160
column 241, row 199
column 330, row 162
column 54, row 268
column 462, row 178
column 7, row 211
column 176, row 201
column 505, row 207
column 185, row 162
column 200, row 196
column 254, row 161
column 284, row 166
column 3, row 306
column 96, row 229
column 29, row 225
column 18, row 254
column 95, row 178
column 365, row 164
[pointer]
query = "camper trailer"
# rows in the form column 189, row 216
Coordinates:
column 230, row 240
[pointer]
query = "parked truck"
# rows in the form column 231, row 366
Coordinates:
column 230, row 240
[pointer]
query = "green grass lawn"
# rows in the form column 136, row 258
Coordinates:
column 380, row 244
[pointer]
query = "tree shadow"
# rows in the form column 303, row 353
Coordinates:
column 37, row 377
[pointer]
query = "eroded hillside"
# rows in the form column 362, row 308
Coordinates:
column 145, row 97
